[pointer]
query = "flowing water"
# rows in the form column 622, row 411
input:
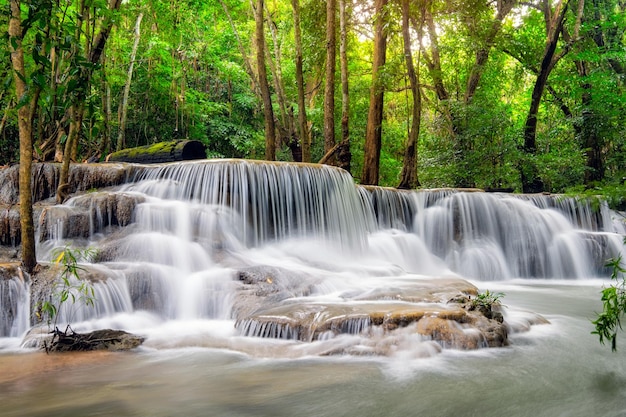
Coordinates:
column 173, row 275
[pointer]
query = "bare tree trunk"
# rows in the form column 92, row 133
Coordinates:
column 329, row 89
column 305, row 139
column 531, row 183
column 29, row 258
column 408, row 176
column 345, row 157
column 373, row 131
column 268, row 112
column 123, row 107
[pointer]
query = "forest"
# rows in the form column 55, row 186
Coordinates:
column 525, row 96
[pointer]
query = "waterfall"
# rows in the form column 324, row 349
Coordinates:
column 269, row 201
column 172, row 242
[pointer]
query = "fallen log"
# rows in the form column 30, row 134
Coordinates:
column 171, row 151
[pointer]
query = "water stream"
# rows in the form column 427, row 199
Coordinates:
column 308, row 237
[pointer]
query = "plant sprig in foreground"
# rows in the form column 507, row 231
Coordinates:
column 613, row 298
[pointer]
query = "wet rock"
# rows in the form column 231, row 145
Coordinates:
column 451, row 326
column 87, row 214
column 82, row 177
column 69, row 341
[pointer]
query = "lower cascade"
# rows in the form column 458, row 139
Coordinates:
column 230, row 254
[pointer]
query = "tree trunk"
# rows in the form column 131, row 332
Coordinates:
column 287, row 125
column 408, row 176
column 329, row 89
column 106, row 110
column 268, row 112
column 123, row 108
column 305, row 139
column 345, row 159
column 373, row 131
column 77, row 108
column 29, row 258
column 531, row 183
column 277, row 75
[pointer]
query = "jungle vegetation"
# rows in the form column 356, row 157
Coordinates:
column 505, row 94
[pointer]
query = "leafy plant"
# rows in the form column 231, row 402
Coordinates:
column 70, row 287
column 609, row 321
column 486, row 300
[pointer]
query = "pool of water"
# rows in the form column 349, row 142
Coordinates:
column 558, row 369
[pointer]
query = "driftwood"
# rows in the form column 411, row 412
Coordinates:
column 178, row 150
column 107, row 339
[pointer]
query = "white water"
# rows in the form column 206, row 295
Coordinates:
column 172, row 276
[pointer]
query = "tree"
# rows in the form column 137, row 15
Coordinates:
column 531, row 183
column 345, row 156
column 329, row 89
column 597, row 68
column 82, row 79
column 123, row 107
column 482, row 29
column 26, row 105
column 373, row 133
column 408, row 176
column 305, row 139
column 268, row 112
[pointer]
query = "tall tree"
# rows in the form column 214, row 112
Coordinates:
column 329, row 89
column 408, row 176
column 601, row 42
column 453, row 111
column 373, row 131
column 531, row 182
column 123, row 106
column 26, row 105
column 345, row 155
column 83, row 78
column 268, row 112
column 305, row 139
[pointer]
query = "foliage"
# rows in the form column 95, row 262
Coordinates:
column 486, row 300
column 609, row 321
column 69, row 288
column 191, row 80
column 614, row 194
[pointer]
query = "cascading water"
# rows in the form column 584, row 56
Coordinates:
column 321, row 256
column 14, row 307
column 227, row 268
